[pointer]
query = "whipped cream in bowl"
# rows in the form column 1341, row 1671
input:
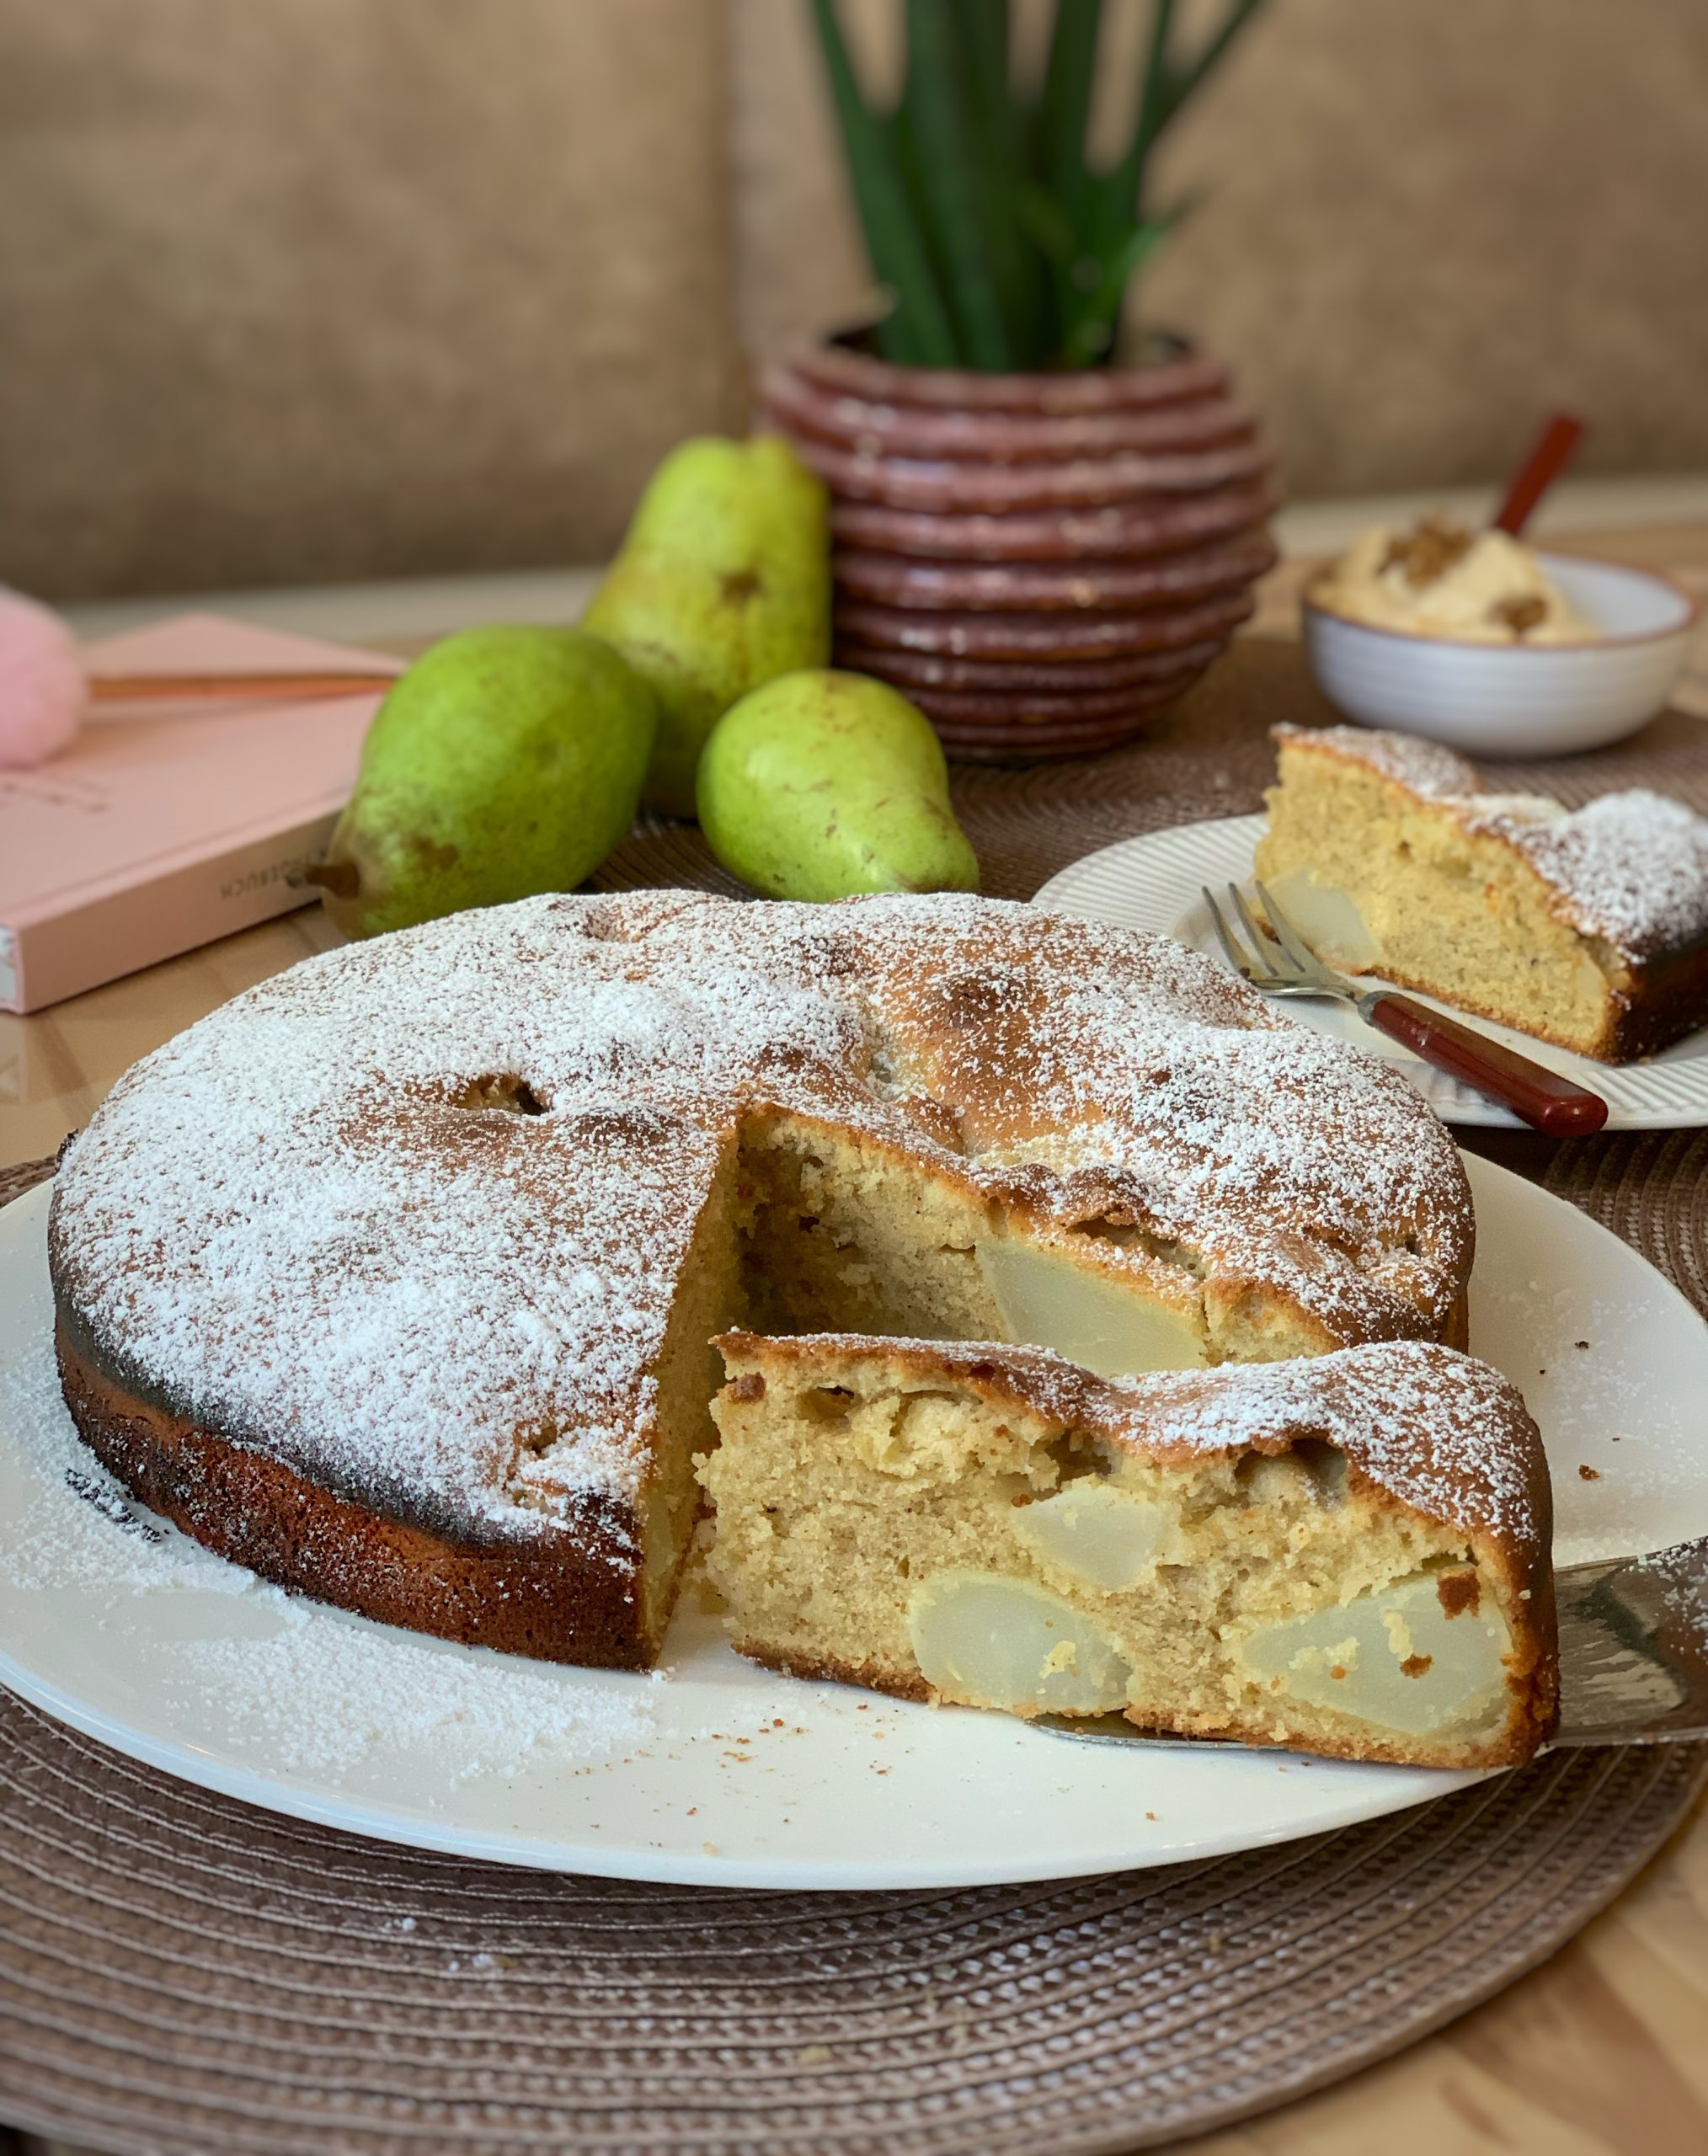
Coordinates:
column 1441, row 580
column 1494, row 647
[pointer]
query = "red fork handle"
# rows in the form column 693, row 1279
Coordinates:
column 1540, row 1097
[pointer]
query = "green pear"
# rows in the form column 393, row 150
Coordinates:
column 506, row 762
column 722, row 582
column 823, row 784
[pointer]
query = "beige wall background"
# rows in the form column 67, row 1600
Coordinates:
column 299, row 290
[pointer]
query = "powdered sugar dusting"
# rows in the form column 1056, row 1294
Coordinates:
column 324, row 1692
column 1444, row 1433
column 107, row 1540
column 1425, row 767
column 309, row 1225
column 1630, row 868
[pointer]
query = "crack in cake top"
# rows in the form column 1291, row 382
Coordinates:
column 411, row 1215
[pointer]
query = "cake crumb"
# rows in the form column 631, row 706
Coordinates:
column 1587, row 1474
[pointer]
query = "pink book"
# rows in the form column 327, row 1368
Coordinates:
column 165, row 826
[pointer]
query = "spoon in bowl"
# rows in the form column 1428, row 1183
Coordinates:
column 1551, row 452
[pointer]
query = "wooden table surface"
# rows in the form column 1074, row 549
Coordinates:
column 1603, row 2051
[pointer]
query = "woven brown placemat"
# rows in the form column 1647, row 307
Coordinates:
column 180, row 1973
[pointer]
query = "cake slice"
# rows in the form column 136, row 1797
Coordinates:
column 1589, row 929
column 1347, row 1556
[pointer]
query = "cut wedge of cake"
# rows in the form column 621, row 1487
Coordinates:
column 1347, row 1556
column 1587, row 928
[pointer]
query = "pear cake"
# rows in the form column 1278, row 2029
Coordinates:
column 395, row 1278
column 1589, row 929
column 1347, row 1555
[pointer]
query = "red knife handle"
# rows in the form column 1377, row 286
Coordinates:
column 1540, row 1097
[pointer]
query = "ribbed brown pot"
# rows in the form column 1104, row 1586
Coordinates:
column 1041, row 561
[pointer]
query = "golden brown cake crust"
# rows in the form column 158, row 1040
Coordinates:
column 574, row 1602
column 870, row 1676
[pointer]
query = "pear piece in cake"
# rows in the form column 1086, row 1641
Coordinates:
column 997, row 1642
column 1048, row 1300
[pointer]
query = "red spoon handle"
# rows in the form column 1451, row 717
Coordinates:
column 1540, row 1097
column 1543, row 466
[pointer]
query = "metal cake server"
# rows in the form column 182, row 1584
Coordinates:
column 1633, row 1656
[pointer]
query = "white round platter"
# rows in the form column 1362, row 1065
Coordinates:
column 711, row 1771
column 1155, row 882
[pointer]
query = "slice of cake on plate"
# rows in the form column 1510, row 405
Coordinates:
column 1347, row 1556
column 1588, row 928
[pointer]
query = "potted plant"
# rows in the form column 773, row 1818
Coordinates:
column 1039, row 540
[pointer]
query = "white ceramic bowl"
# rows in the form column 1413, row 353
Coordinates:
column 1516, row 700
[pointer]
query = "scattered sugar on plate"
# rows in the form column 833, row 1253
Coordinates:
column 319, row 1692
column 108, row 1539
column 329, row 1691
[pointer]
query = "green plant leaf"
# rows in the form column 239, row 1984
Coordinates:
column 1058, row 154
column 946, row 153
column 1047, row 224
column 1121, row 193
column 1214, row 50
column 982, row 27
column 1064, row 110
column 920, row 330
column 1092, row 332
column 982, row 214
column 999, row 129
column 1164, row 89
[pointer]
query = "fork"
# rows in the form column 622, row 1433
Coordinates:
column 1633, row 1658
column 1277, row 961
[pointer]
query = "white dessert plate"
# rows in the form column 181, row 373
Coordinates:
column 711, row 1771
column 1155, row 882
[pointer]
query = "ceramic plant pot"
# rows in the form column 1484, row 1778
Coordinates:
column 1041, row 561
